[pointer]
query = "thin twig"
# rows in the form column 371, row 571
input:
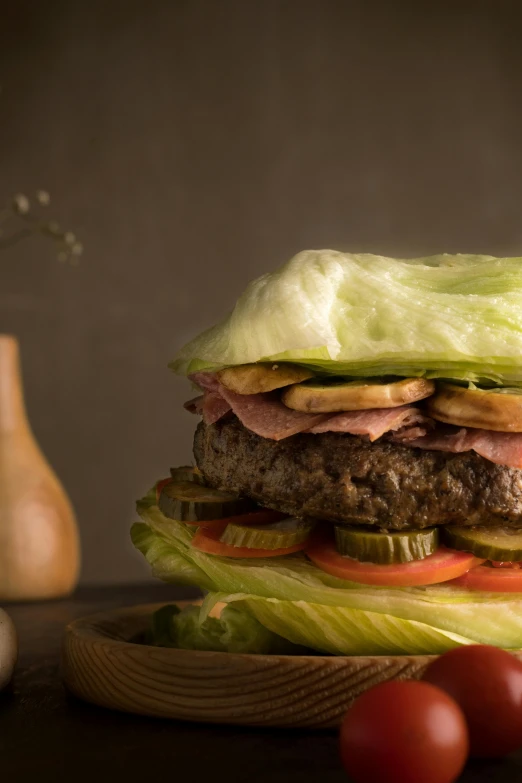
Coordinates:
column 20, row 210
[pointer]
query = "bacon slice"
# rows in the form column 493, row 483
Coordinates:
column 503, row 448
column 195, row 405
column 214, row 407
column 375, row 422
column 444, row 438
column 210, row 405
column 266, row 415
column 206, row 380
column 263, row 414
column 406, row 434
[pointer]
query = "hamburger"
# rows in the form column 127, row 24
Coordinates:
column 357, row 476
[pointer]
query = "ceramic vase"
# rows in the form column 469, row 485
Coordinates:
column 39, row 545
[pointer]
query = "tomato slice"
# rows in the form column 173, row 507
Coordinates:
column 159, row 486
column 207, row 539
column 443, row 565
column 493, row 580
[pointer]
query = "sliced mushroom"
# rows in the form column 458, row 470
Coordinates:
column 486, row 409
column 264, row 377
column 356, row 395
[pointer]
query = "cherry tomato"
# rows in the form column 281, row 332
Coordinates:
column 445, row 564
column 208, row 540
column 487, row 684
column 493, row 580
column 404, row 732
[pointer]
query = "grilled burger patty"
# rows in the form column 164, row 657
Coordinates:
column 346, row 479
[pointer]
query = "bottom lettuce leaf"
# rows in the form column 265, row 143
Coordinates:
column 341, row 631
column 236, row 630
column 293, row 598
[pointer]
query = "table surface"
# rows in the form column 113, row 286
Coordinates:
column 46, row 734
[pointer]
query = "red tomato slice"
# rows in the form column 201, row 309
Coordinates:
column 160, row 485
column 208, row 540
column 442, row 566
column 493, row 580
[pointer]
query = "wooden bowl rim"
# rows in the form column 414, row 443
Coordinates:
column 101, row 665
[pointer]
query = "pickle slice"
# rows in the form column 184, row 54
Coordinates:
column 187, row 473
column 257, row 378
column 371, row 546
column 315, row 397
column 492, row 543
column 187, row 501
column 275, row 535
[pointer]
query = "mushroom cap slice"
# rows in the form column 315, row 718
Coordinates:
column 262, row 377
column 489, row 409
column 356, row 395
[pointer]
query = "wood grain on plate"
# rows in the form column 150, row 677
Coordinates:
column 102, row 665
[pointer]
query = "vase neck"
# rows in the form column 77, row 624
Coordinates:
column 12, row 407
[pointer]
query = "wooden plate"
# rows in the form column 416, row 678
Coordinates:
column 102, row 664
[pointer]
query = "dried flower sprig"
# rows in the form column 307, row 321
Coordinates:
column 19, row 220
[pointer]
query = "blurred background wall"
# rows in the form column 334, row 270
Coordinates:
column 194, row 144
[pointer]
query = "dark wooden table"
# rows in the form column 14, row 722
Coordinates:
column 46, row 734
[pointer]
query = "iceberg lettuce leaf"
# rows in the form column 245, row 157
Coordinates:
column 342, row 631
column 236, row 630
column 359, row 315
column 486, row 618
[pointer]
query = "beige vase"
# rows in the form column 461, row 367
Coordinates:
column 39, row 546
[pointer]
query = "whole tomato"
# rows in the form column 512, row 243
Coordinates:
column 487, row 684
column 404, row 732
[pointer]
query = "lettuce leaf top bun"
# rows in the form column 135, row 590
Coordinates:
column 361, row 315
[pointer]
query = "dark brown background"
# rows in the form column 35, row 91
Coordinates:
column 194, row 144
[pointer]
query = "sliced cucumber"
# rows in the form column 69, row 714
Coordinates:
column 275, row 535
column 187, row 473
column 491, row 543
column 371, row 546
column 187, row 501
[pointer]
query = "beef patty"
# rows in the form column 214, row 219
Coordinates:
column 347, row 479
